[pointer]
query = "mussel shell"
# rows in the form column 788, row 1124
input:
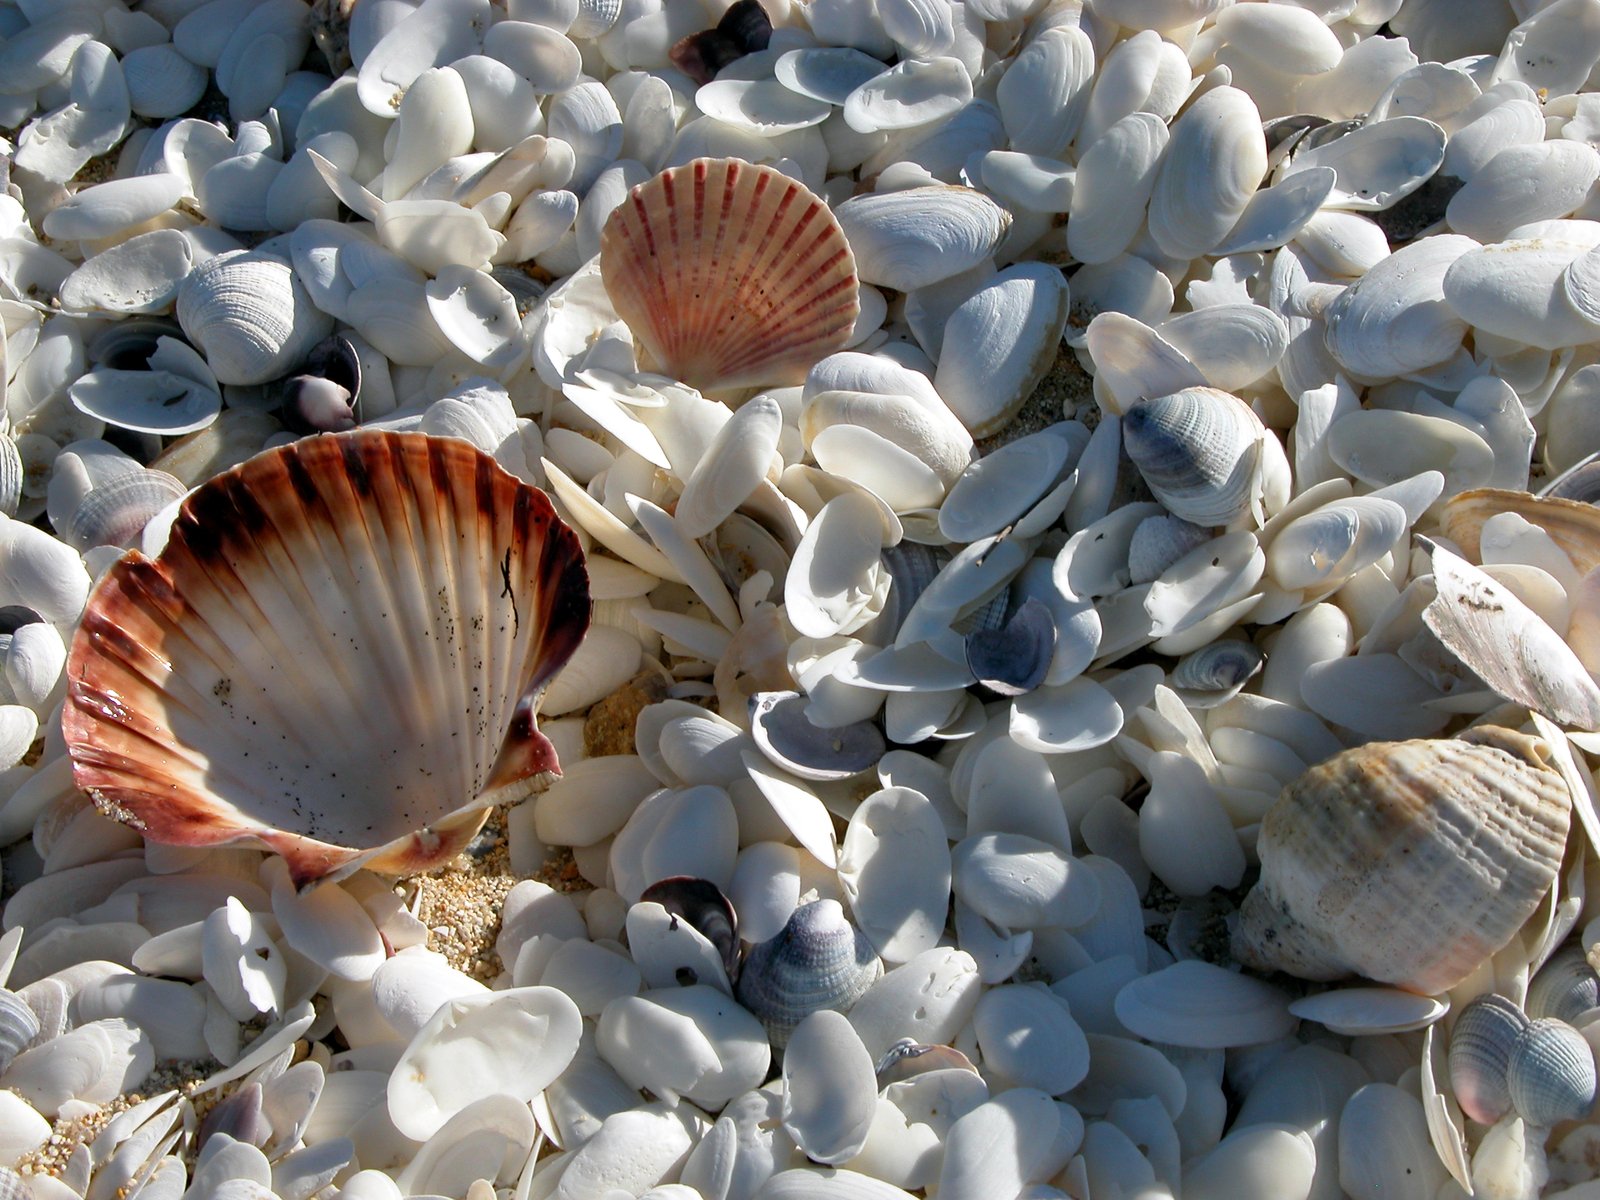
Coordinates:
column 817, row 961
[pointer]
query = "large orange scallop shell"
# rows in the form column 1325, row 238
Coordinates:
column 729, row 274
column 338, row 655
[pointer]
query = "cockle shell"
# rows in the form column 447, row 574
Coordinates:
column 249, row 315
column 1550, row 1073
column 18, row 1027
column 1406, row 862
column 1200, row 450
column 291, row 667
column 818, row 960
column 729, row 274
column 1480, row 1049
column 1565, row 987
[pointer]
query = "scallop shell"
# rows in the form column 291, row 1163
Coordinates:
column 817, row 961
column 1406, row 862
column 1200, row 452
column 730, row 274
column 1550, row 1073
column 1480, row 1049
column 290, row 668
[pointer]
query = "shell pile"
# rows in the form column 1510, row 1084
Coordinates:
column 1091, row 685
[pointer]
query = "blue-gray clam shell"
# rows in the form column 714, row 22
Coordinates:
column 817, row 960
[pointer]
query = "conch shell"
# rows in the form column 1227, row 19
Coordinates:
column 1406, row 862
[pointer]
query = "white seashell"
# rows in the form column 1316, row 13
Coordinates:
column 514, row 1042
column 1360, row 1011
column 829, row 73
column 911, row 238
column 1194, row 1003
column 250, row 317
column 545, row 57
column 1185, row 834
column 1278, row 213
column 434, row 33
column 894, row 867
column 1523, row 184
column 1201, row 451
column 1378, row 164
column 1292, row 40
column 104, row 210
column 1134, row 362
column 829, row 1088
column 1383, row 1136
column 1233, row 345
column 1324, row 547
column 140, row 275
column 1566, row 987
column 1051, row 1055
column 909, row 94
column 1252, row 1163
column 1018, row 882
column 1023, row 1120
column 630, row 1152
column 1534, row 290
column 1394, row 320
column 1488, row 124
column 94, row 1062
column 1554, row 49
column 999, row 343
column 1045, row 90
column 1211, row 167
column 153, row 401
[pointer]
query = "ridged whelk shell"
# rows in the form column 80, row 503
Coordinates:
column 1406, row 862
column 290, row 668
column 818, row 960
column 730, row 274
column 1480, row 1049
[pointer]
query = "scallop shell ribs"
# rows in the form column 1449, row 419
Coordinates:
column 1407, row 862
column 338, row 655
column 729, row 274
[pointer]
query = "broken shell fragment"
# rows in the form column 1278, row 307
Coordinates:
column 206, row 708
column 1406, row 862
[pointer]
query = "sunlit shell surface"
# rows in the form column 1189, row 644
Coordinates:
column 1406, row 862
column 730, row 274
column 338, row 654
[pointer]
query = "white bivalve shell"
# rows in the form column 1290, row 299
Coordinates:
column 1406, row 862
column 249, row 316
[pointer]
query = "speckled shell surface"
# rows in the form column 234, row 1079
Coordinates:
column 1406, row 862
column 729, row 274
column 338, row 654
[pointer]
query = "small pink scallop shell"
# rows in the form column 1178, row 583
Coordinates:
column 337, row 655
column 730, row 274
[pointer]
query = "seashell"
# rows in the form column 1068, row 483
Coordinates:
column 1528, row 289
column 1438, row 851
column 1550, row 1073
column 915, row 237
column 115, row 511
column 1572, row 525
column 776, row 285
column 1377, row 164
column 999, row 343
column 1215, row 673
column 1566, row 987
column 18, row 1027
column 829, row 1088
column 1014, row 658
column 785, row 734
column 1394, row 319
column 247, row 313
column 1196, row 1003
column 1045, row 91
column 1480, row 1050
column 910, row 94
column 1522, row 184
column 1212, row 166
column 181, row 774
column 140, row 275
column 1200, row 450
column 817, row 961
column 703, row 904
column 744, row 28
column 894, row 867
